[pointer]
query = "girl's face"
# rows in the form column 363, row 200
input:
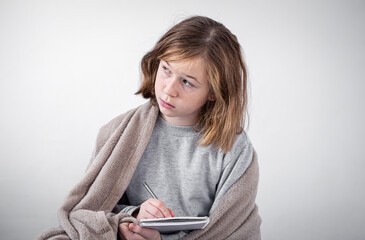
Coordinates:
column 181, row 89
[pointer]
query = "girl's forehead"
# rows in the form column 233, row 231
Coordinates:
column 191, row 64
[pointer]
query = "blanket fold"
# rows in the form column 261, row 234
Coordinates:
column 87, row 210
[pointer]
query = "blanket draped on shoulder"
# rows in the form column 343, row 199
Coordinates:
column 87, row 211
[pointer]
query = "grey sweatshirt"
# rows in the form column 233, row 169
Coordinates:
column 189, row 178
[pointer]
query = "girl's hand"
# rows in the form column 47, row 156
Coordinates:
column 154, row 208
column 131, row 231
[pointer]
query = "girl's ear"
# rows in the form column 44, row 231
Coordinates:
column 211, row 97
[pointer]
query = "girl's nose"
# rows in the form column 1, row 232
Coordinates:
column 171, row 87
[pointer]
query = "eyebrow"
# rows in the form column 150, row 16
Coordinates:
column 184, row 74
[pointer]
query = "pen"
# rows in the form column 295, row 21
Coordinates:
column 149, row 190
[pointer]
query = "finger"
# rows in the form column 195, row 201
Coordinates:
column 161, row 207
column 148, row 210
column 123, row 227
column 154, row 212
column 147, row 233
column 153, row 209
column 171, row 212
column 126, row 234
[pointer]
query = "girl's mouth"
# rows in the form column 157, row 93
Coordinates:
column 166, row 105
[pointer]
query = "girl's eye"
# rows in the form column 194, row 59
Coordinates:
column 187, row 83
column 166, row 70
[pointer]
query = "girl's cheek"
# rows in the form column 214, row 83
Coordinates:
column 161, row 75
column 165, row 75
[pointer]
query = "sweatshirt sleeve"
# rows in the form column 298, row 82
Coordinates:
column 236, row 161
column 128, row 209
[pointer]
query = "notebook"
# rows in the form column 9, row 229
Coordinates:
column 175, row 224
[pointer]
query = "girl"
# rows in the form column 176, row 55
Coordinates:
column 187, row 142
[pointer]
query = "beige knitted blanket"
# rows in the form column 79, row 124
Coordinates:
column 87, row 211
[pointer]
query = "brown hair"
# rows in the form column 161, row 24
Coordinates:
column 201, row 37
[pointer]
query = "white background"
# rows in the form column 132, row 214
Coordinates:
column 67, row 67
